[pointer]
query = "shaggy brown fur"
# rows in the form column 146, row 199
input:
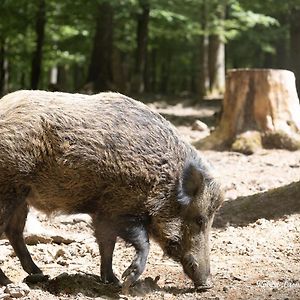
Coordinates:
column 111, row 157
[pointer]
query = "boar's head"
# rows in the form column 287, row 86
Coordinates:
column 183, row 231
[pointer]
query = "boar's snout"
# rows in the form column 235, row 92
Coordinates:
column 198, row 271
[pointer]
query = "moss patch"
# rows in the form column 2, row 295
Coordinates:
column 247, row 142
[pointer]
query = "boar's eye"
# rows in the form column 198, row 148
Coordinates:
column 200, row 221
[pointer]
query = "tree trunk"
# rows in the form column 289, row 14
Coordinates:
column 272, row 204
column 153, row 70
column 260, row 108
column 78, row 76
column 141, row 51
column 217, row 54
column 2, row 66
column 216, row 66
column 36, row 65
column 165, row 67
column 203, row 85
column 295, row 44
column 62, row 80
column 100, row 69
column 118, row 72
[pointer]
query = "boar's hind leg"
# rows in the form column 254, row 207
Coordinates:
column 106, row 238
column 14, row 232
column 4, row 280
column 10, row 201
column 134, row 231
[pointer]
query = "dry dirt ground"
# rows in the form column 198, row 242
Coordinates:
column 257, row 261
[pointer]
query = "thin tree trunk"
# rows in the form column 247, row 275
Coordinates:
column 62, row 81
column 217, row 55
column 36, row 65
column 281, row 54
column 295, row 44
column 141, row 51
column 203, row 85
column 165, row 72
column 78, row 77
column 272, row 204
column 2, row 66
column 118, row 71
column 216, row 65
column 153, row 70
column 100, row 68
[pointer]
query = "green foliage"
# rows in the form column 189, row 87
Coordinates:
column 241, row 20
column 251, row 29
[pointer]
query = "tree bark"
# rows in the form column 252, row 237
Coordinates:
column 273, row 204
column 203, row 85
column 141, row 51
column 216, row 66
column 153, row 70
column 100, row 68
column 217, row 55
column 36, row 65
column 260, row 108
column 119, row 80
column 2, row 66
column 165, row 67
column 295, row 44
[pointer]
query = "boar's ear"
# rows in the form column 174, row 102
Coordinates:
column 192, row 183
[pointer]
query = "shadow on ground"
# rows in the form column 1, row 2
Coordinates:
column 91, row 286
column 272, row 204
column 87, row 284
column 189, row 120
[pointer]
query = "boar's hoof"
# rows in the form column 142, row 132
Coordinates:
column 111, row 280
column 131, row 274
column 203, row 287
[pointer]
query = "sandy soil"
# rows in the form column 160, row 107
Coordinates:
column 257, row 261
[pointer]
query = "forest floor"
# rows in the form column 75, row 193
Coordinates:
column 257, row 261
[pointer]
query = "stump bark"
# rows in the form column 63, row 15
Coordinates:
column 260, row 109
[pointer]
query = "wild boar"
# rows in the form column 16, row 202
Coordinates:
column 109, row 156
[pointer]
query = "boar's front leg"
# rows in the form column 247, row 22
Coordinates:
column 106, row 238
column 133, row 230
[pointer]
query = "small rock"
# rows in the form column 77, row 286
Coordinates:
column 237, row 278
column 4, row 296
column 17, row 290
column 225, row 289
column 60, row 253
column 34, row 239
column 200, row 126
column 62, row 240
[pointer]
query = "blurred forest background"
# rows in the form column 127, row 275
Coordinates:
column 168, row 47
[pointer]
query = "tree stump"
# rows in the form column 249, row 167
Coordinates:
column 260, row 109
